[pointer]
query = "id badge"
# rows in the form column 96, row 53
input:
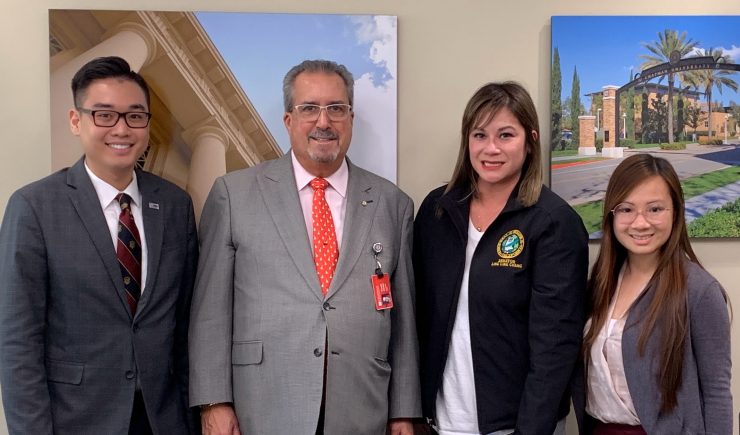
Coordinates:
column 382, row 291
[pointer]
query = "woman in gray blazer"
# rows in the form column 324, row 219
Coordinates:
column 657, row 343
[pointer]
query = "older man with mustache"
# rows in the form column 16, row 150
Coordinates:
column 303, row 318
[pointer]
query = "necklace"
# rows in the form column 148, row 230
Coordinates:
column 481, row 215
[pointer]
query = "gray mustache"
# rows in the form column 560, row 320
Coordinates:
column 319, row 134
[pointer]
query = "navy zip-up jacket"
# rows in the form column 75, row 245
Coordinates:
column 527, row 294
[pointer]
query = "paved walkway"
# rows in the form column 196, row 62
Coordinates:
column 699, row 205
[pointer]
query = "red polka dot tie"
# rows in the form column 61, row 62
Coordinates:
column 325, row 250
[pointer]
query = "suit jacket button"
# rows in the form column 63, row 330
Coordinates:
column 327, row 306
column 317, row 352
column 130, row 374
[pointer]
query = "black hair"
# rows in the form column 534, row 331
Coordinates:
column 103, row 68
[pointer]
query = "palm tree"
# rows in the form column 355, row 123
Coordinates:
column 669, row 42
column 705, row 80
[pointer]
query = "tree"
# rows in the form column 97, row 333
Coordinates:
column 680, row 118
column 565, row 121
column 735, row 111
column 555, row 107
column 575, row 107
column 668, row 43
column 630, row 114
column 693, row 116
column 645, row 117
column 657, row 126
column 707, row 79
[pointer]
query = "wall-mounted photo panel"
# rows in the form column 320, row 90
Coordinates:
column 663, row 85
column 216, row 84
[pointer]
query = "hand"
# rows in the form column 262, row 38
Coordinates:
column 400, row 426
column 219, row 419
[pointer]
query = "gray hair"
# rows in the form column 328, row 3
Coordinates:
column 315, row 66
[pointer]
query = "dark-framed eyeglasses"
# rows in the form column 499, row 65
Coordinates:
column 109, row 118
column 311, row 112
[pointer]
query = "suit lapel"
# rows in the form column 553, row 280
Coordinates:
column 87, row 205
column 362, row 202
column 278, row 187
column 152, row 208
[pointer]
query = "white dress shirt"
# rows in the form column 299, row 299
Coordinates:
column 112, row 209
column 608, row 396
column 336, row 196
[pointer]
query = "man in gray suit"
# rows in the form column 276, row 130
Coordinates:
column 278, row 344
column 96, row 274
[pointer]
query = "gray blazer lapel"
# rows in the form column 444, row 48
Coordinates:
column 279, row 192
column 154, row 233
column 86, row 204
column 362, row 203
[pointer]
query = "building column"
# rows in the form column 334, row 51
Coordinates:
column 132, row 42
column 208, row 162
column 586, row 135
column 610, row 117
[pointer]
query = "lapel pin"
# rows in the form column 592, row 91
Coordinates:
column 365, row 203
column 154, row 205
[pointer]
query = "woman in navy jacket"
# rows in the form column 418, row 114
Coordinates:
column 501, row 265
column 657, row 345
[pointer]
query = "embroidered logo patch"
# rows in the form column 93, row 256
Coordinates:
column 510, row 245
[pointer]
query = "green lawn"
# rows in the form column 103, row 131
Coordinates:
column 590, row 212
column 574, row 152
column 581, row 159
column 563, row 153
column 704, row 183
column 655, row 145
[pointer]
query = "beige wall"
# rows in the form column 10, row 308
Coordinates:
column 446, row 50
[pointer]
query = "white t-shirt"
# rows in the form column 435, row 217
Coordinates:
column 457, row 412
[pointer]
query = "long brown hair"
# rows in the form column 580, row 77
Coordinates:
column 667, row 314
column 481, row 108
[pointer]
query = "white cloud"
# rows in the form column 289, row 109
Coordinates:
column 375, row 128
column 380, row 31
column 733, row 52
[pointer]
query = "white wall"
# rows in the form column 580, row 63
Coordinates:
column 446, row 50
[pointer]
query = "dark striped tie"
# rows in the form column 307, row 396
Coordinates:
column 128, row 251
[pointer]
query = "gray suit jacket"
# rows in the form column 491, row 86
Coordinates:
column 259, row 323
column 704, row 399
column 70, row 353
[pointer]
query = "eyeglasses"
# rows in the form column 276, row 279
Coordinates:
column 109, row 118
column 311, row 112
column 627, row 213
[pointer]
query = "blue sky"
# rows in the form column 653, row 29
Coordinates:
column 261, row 48
column 605, row 49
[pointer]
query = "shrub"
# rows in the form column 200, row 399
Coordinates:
column 723, row 222
column 629, row 143
column 714, row 140
column 673, row 146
